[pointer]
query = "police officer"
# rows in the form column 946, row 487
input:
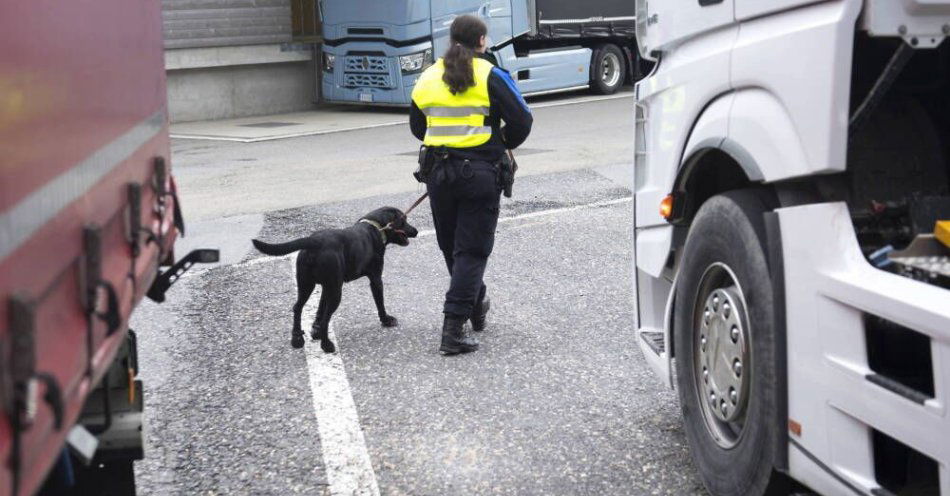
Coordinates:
column 458, row 106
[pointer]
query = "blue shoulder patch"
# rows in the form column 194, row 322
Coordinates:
column 506, row 77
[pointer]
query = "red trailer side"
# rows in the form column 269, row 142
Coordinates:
column 82, row 125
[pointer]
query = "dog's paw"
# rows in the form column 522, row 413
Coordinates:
column 327, row 346
column 297, row 340
column 315, row 334
column 389, row 321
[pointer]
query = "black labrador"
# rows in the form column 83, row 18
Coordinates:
column 331, row 257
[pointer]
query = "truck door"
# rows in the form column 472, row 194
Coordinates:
column 507, row 19
column 444, row 12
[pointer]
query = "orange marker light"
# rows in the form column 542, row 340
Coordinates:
column 666, row 207
column 795, row 428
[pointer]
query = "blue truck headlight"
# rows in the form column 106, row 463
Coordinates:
column 328, row 60
column 415, row 62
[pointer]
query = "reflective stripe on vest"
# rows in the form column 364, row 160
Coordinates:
column 456, row 121
column 457, row 130
column 454, row 111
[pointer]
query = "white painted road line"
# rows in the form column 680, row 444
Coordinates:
column 430, row 232
column 288, row 135
column 553, row 211
column 238, row 139
column 583, row 99
column 349, row 468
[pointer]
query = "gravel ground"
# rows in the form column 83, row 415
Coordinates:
column 557, row 401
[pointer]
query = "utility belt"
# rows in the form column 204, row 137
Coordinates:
column 432, row 157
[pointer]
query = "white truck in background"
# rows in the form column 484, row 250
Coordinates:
column 791, row 172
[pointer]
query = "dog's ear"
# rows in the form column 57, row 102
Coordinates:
column 380, row 215
column 395, row 215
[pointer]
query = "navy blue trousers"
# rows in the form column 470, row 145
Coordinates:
column 464, row 197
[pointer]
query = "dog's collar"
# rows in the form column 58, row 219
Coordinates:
column 378, row 226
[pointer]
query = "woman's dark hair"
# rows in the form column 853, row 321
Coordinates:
column 466, row 32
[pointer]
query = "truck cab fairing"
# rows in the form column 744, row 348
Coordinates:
column 396, row 21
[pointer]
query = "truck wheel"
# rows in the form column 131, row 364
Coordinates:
column 607, row 69
column 724, row 340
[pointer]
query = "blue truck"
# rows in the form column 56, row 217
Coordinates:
column 374, row 50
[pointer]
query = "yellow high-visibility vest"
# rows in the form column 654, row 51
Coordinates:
column 456, row 121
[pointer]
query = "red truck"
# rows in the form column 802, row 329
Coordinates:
column 88, row 216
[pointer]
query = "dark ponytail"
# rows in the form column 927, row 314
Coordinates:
column 466, row 32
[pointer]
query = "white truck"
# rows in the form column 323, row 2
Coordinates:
column 792, row 162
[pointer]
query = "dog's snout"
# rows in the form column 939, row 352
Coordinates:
column 412, row 232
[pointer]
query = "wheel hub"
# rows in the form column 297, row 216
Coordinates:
column 723, row 353
column 611, row 69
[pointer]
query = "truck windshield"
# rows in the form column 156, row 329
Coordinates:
column 367, row 12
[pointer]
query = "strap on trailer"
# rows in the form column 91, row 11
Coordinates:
column 161, row 177
column 20, row 382
column 92, row 255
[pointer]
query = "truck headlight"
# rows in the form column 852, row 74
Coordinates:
column 328, row 60
column 415, row 62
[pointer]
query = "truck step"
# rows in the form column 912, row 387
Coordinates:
column 926, row 260
column 654, row 340
column 936, row 264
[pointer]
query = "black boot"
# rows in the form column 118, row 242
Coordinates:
column 454, row 339
column 479, row 313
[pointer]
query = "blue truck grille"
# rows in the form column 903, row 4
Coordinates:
column 366, row 71
column 366, row 63
column 367, row 81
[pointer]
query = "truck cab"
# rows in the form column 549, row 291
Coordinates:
column 374, row 54
column 373, row 51
column 792, row 177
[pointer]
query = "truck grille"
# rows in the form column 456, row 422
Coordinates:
column 367, row 81
column 366, row 63
column 366, row 71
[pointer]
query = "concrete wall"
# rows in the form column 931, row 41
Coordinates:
column 233, row 58
column 239, row 91
column 207, row 23
column 225, row 82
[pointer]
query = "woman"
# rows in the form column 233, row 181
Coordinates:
column 458, row 105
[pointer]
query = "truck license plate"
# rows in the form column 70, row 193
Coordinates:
column 366, row 97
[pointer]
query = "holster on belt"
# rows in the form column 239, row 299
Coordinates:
column 428, row 158
column 507, row 167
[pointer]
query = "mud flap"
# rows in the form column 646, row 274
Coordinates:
column 166, row 279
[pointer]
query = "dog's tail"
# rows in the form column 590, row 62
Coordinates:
column 284, row 248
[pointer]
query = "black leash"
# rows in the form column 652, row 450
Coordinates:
column 389, row 226
column 416, row 204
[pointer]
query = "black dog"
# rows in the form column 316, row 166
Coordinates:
column 333, row 256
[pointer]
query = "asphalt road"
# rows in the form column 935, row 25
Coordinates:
column 557, row 401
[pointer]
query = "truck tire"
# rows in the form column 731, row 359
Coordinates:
column 724, row 337
column 608, row 68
